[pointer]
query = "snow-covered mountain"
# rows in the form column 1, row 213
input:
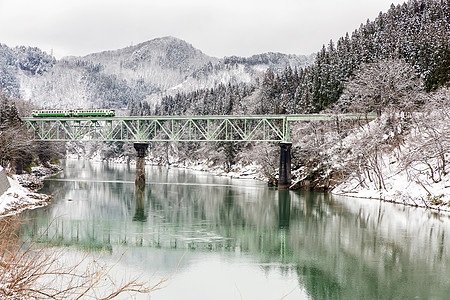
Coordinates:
column 163, row 62
column 147, row 71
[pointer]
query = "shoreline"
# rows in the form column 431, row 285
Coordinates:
column 425, row 207
column 23, row 193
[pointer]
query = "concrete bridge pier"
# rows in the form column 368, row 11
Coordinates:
column 141, row 149
column 284, row 180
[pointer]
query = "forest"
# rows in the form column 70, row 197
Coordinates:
column 395, row 65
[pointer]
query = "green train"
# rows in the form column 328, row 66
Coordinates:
column 73, row 113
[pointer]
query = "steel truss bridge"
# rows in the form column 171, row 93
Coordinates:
column 256, row 128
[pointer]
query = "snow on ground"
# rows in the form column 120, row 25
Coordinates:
column 18, row 198
column 241, row 171
column 412, row 186
column 400, row 190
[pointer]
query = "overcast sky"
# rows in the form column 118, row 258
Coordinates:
column 217, row 27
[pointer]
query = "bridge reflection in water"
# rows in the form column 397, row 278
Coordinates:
column 339, row 248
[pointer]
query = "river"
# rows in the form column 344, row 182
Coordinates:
column 223, row 238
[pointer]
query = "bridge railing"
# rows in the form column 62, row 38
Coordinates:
column 257, row 128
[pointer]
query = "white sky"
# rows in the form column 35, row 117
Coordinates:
column 217, row 27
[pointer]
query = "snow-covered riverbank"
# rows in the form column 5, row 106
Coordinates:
column 399, row 188
column 414, row 171
column 23, row 194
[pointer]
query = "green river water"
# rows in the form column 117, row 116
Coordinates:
column 222, row 238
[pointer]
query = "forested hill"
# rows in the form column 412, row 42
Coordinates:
column 417, row 32
column 31, row 60
column 118, row 78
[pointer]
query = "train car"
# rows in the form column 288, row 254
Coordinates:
column 51, row 113
column 54, row 113
column 93, row 113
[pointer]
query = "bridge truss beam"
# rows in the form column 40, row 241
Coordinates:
column 258, row 128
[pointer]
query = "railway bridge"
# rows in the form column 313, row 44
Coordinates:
column 146, row 129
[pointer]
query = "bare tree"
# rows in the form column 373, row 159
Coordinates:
column 14, row 144
column 32, row 270
column 16, row 147
column 390, row 87
column 48, row 151
column 384, row 86
column 428, row 152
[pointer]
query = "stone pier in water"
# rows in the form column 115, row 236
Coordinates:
column 141, row 149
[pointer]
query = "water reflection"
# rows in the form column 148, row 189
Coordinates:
column 284, row 208
column 139, row 190
column 337, row 248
